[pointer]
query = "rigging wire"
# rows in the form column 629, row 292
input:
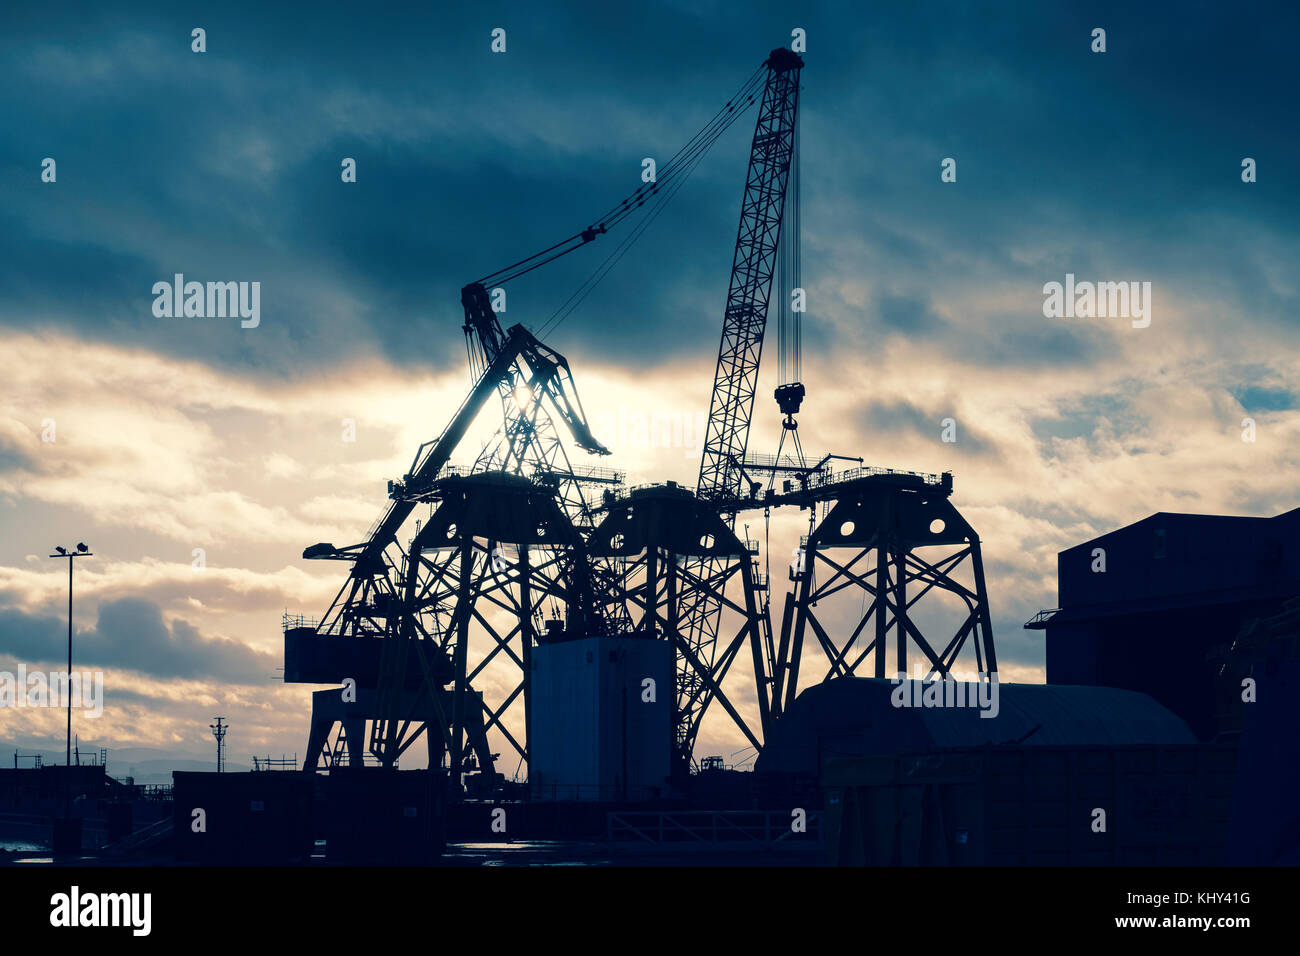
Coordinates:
column 700, row 142
column 681, row 171
column 796, row 254
column 783, row 303
column 622, row 248
column 728, row 109
column 789, row 265
column 654, row 195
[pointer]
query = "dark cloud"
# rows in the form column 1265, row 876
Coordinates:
column 131, row 634
column 134, row 635
column 1036, row 345
column 225, row 165
column 1256, row 398
column 898, row 416
column 14, row 457
column 885, row 418
column 31, row 638
column 1085, row 418
column 902, row 313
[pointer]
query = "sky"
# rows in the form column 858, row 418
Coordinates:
column 198, row 458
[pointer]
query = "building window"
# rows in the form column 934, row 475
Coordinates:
column 1158, row 548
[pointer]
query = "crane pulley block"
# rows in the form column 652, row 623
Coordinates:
column 790, row 397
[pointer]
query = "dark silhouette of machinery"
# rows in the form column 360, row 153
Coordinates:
column 526, row 564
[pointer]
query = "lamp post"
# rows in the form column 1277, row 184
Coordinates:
column 81, row 552
column 219, row 731
column 67, row 833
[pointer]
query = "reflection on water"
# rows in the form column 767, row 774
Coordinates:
column 26, row 851
column 22, row 846
column 527, row 853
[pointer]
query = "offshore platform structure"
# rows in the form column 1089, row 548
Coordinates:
column 535, row 599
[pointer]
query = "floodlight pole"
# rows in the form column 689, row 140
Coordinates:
column 80, row 552
column 67, row 758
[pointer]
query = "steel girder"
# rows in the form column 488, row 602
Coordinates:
column 528, row 441
column 745, row 318
column 886, row 543
column 663, row 550
column 736, row 378
column 495, row 554
column 372, row 602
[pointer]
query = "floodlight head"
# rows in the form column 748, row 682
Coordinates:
column 61, row 550
column 81, row 546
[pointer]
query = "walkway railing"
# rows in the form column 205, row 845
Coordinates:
column 757, row 828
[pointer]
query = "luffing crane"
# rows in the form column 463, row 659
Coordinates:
column 650, row 563
column 381, row 596
column 735, row 382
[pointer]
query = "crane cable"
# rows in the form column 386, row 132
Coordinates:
column 666, row 183
column 659, row 194
column 790, row 278
column 725, row 116
column 572, row 303
column 682, row 165
column 797, row 254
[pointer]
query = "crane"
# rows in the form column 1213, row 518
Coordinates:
column 533, row 384
column 656, row 562
column 546, row 375
column 721, row 479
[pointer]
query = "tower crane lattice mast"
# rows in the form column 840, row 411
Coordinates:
column 735, row 382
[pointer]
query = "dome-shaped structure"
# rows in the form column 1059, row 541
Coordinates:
column 854, row 717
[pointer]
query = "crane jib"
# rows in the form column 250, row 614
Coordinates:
column 753, row 265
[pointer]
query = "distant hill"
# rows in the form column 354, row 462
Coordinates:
column 146, row 764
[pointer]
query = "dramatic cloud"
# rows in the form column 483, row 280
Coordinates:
column 198, row 458
column 132, row 635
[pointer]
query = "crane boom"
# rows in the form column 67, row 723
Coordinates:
column 545, row 366
column 736, row 379
column 535, row 387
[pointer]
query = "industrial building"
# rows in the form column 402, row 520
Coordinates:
column 1202, row 613
column 1153, row 606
